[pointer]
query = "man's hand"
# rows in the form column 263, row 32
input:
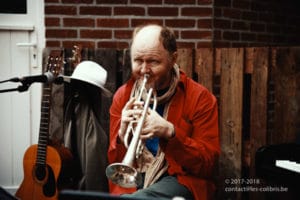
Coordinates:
column 131, row 112
column 156, row 126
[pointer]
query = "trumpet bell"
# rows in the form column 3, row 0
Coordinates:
column 122, row 175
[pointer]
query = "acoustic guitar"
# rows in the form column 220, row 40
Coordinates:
column 47, row 168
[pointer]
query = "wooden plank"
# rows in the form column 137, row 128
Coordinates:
column 231, row 99
column 217, row 61
column 107, row 58
column 185, row 61
column 271, row 95
column 217, row 72
column 249, row 60
column 258, row 63
column 125, row 65
column 286, row 88
column 204, row 67
column 258, row 110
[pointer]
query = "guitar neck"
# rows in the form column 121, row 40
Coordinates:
column 54, row 66
column 44, row 125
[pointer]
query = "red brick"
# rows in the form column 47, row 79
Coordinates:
column 95, row 10
column 205, row 2
column 232, row 13
column 222, row 24
column 58, row 33
column 98, row 34
column 112, row 22
column 248, row 36
column 257, row 27
column 180, row 1
column 185, row 44
column 112, row 44
column 51, row 1
column 222, row 3
column 260, row 6
column 123, row 34
column 229, row 35
column 196, row 34
column 218, row 12
column 266, row 17
column 180, row 23
column 266, row 38
column 205, row 23
column 136, row 22
column 51, row 43
column 163, row 11
column 240, row 25
column 146, row 2
column 221, row 44
column 52, row 21
column 137, row 11
column 60, row 10
column 249, row 15
column 273, row 28
column 217, row 35
column 242, row 4
column 278, row 39
column 77, row 1
column 200, row 12
column 84, row 44
column 78, row 22
column 112, row 1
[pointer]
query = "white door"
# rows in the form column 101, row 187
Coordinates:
column 22, row 42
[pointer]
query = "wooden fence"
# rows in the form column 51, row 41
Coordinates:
column 258, row 95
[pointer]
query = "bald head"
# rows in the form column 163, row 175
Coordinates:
column 146, row 30
column 155, row 33
column 146, row 37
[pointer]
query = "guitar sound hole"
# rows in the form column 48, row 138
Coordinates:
column 44, row 174
column 49, row 188
column 40, row 172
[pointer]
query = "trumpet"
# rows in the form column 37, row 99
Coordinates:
column 124, row 174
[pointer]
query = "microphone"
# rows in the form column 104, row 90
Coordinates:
column 48, row 77
column 62, row 79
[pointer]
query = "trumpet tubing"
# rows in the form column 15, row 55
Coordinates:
column 124, row 174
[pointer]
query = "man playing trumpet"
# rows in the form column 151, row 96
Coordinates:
column 179, row 136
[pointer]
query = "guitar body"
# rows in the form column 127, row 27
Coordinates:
column 40, row 182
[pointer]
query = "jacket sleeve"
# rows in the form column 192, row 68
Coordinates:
column 195, row 148
column 117, row 150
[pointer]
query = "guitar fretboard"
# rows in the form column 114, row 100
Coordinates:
column 44, row 125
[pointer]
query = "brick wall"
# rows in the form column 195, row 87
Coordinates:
column 256, row 23
column 198, row 23
column 109, row 23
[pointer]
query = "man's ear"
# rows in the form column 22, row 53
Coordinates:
column 174, row 57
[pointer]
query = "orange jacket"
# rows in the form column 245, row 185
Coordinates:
column 193, row 153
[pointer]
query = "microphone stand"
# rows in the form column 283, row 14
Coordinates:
column 26, row 83
column 21, row 88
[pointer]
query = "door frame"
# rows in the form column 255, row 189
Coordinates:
column 33, row 24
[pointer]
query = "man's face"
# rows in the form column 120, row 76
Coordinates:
column 148, row 56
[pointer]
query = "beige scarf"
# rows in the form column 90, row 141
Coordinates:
column 155, row 167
